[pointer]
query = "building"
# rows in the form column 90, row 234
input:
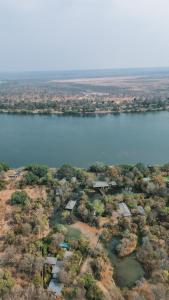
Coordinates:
column 146, row 179
column 113, row 184
column 70, row 205
column 56, row 269
column 124, row 210
column 64, row 246
column 55, row 287
column 50, row 260
column 58, row 192
column 100, row 184
column 141, row 210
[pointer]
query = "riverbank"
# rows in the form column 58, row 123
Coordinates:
column 80, row 113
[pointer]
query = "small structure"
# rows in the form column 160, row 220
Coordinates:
column 146, row 179
column 50, row 260
column 141, row 210
column 113, row 184
column 124, row 210
column 73, row 180
column 56, row 269
column 70, row 205
column 55, row 287
column 14, row 176
column 58, row 192
column 64, row 246
column 100, row 184
column 127, row 190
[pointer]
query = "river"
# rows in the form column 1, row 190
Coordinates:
column 80, row 141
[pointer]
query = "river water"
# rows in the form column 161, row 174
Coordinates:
column 80, row 141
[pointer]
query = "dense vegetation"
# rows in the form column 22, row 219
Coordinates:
column 36, row 225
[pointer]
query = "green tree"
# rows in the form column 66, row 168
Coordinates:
column 19, row 198
column 98, row 207
column 38, row 170
column 98, row 167
column 30, row 178
column 66, row 171
column 3, row 167
column 6, row 282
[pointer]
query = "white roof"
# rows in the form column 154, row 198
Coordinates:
column 70, row 205
column 124, row 210
column 146, row 179
column 55, row 287
column 100, row 184
column 56, row 268
column 141, row 210
column 51, row 260
column 113, row 183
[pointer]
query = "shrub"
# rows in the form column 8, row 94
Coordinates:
column 30, row 178
column 66, row 171
column 19, row 198
column 6, row 282
column 38, row 170
column 3, row 167
column 98, row 167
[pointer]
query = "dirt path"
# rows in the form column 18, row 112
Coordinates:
column 91, row 233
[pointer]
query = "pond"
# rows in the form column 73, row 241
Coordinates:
column 127, row 270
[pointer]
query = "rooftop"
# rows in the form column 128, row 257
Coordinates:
column 113, row 183
column 70, row 205
column 64, row 245
column 51, row 260
column 141, row 210
column 57, row 267
column 58, row 192
column 55, row 287
column 124, row 210
column 100, row 184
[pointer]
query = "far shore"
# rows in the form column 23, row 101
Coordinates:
column 74, row 113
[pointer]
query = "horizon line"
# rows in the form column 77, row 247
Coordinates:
column 83, row 70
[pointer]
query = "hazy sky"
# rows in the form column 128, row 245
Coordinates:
column 83, row 34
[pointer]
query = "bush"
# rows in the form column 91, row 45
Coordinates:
column 38, row 170
column 30, row 179
column 19, row 198
column 6, row 282
column 2, row 184
column 98, row 167
column 66, row 171
column 3, row 167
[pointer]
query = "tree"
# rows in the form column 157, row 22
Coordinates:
column 26, row 229
column 37, row 280
column 6, row 282
column 57, row 238
column 113, row 172
column 19, row 198
column 98, row 207
column 3, row 167
column 98, row 167
column 38, row 170
column 2, row 184
column 66, row 171
column 30, row 179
